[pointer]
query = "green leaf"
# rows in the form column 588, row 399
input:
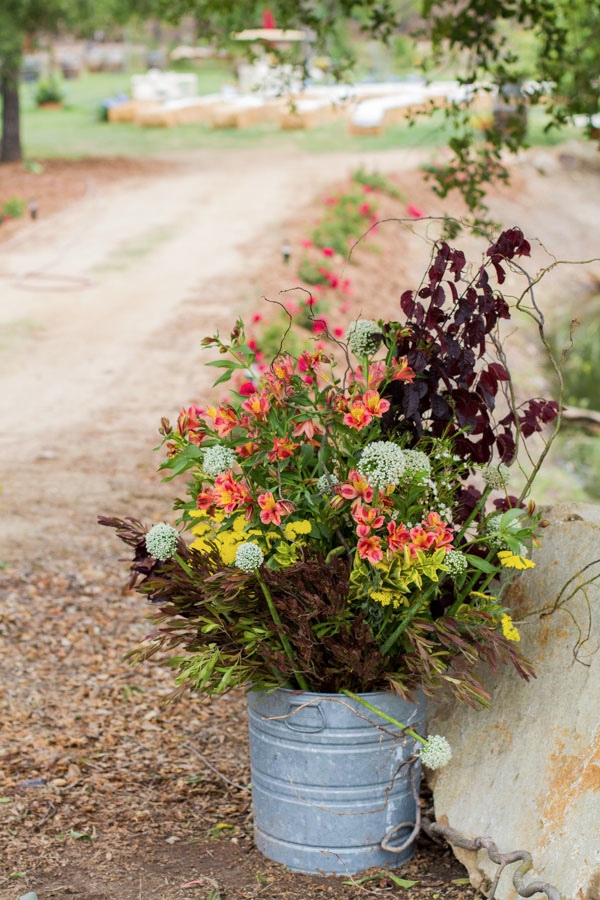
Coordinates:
column 401, row 882
column 5, row 799
column 225, row 364
column 79, row 835
column 461, row 881
column 482, row 564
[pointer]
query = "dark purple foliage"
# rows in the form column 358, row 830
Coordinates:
column 448, row 340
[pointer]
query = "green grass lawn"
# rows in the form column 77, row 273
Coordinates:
column 76, row 130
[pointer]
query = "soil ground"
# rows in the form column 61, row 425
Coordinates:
column 105, row 792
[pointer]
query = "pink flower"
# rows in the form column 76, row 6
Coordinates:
column 414, row 211
column 355, row 487
column 272, row 510
column 366, row 519
column 339, row 332
column 319, row 326
column 328, row 251
column 358, row 416
column 247, row 388
column 369, row 548
column 306, row 243
column 256, row 318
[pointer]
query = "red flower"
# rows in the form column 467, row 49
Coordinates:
column 319, row 326
column 414, row 211
column 247, row 388
column 328, row 251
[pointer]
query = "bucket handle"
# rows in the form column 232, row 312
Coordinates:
column 414, row 826
column 305, row 717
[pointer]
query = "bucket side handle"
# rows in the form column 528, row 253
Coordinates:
column 305, row 717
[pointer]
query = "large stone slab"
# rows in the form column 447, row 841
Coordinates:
column 526, row 772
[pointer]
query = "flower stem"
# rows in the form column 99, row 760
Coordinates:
column 287, row 648
column 404, row 728
column 389, row 643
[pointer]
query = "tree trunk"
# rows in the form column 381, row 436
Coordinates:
column 10, row 146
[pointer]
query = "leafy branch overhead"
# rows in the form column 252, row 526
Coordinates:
column 559, row 72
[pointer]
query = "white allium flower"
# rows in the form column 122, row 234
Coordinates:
column 496, row 477
column 249, row 557
column 363, row 337
column 382, row 463
column 161, row 541
column 417, row 463
column 437, row 752
column 326, row 483
column 456, row 562
column 217, row 459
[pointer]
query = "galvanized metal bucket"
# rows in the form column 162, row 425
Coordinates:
column 330, row 779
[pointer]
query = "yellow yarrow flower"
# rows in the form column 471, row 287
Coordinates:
column 385, row 597
column 509, row 629
column 293, row 529
column 202, row 528
column 514, row 561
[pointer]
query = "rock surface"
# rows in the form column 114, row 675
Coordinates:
column 526, row 772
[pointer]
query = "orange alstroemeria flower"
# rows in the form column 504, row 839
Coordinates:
column 248, row 449
column 272, row 510
column 230, row 494
column 366, row 518
column 375, row 404
column 420, row 540
column 435, row 525
column 283, row 448
column 369, row 548
column 257, row 406
column 398, row 536
column 358, row 416
column 401, row 371
column 307, row 428
column 355, row 487
column 225, row 418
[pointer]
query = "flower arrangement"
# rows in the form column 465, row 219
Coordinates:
column 347, row 524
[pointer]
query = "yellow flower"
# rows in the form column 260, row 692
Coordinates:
column 202, row 528
column 384, row 597
column 228, row 551
column 509, row 630
column 293, row 529
column 239, row 523
column 201, row 545
column 514, row 561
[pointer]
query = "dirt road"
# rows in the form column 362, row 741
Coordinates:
column 103, row 306
column 91, row 351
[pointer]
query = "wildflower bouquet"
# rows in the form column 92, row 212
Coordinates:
column 347, row 520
